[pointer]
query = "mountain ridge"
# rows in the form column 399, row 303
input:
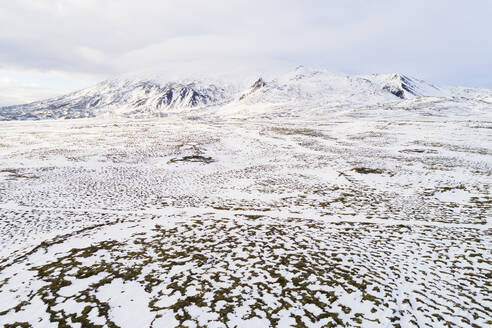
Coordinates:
column 298, row 88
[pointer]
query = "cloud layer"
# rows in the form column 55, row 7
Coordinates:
column 446, row 42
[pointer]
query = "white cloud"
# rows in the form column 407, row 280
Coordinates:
column 12, row 92
column 22, row 86
column 443, row 41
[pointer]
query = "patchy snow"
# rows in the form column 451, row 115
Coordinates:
column 351, row 220
column 131, row 299
column 455, row 196
column 80, row 284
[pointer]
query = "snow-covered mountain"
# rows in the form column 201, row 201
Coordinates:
column 123, row 97
column 405, row 87
column 296, row 91
column 318, row 93
column 322, row 87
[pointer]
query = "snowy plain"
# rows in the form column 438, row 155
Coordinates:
column 246, row 223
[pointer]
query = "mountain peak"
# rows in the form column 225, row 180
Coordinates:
column 404, row 86
column 260, row 83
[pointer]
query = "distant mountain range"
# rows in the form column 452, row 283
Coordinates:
column 301, row 89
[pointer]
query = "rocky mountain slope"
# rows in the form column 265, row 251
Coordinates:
column 122, row 97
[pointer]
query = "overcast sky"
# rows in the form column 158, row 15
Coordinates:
column 53, row 46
